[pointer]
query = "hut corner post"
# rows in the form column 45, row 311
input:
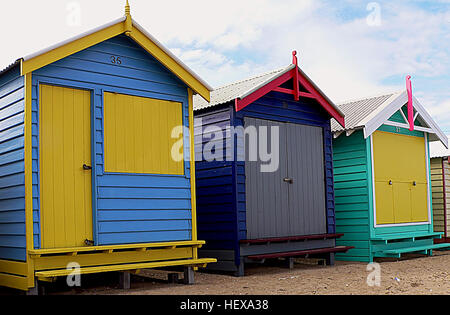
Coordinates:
column 444, row 188
column 192, row 168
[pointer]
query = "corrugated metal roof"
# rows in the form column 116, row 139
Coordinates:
column 10, row 66
column 438, row 150
column 234, row 90
column 356, row 111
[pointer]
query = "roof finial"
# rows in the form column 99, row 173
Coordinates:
column 295, row 60
column 127, row 9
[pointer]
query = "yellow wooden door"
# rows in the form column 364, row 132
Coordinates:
column 400, row 162
column 65, row 147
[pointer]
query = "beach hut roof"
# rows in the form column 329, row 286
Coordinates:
column 370, row 113
column 124, row 25
column 438, row 150
column 242, row 89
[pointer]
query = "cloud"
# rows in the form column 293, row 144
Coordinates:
column 228, row 41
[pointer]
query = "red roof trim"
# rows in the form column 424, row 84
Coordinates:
column 299, row 78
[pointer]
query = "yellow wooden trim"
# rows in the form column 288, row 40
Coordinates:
column 71, row 48
column 114, row 247
column 100, row 269
column 170, row 63
column 115, row 258
column 127, row 27
column 193, row 184
column 192, row 155
column 14, row 267
column 13, row 281
column 29, row 177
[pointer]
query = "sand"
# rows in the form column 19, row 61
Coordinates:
column 411, row 275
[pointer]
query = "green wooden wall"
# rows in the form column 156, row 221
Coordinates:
column 352, row 197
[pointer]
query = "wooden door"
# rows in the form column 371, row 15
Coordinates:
column 65, row 161
column 400, row 162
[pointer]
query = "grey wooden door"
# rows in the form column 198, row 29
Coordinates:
column 279, row 208
column 305, row 159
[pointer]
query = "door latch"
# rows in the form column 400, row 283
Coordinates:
column 87, row 167
column 88, row 242
column 288, row 180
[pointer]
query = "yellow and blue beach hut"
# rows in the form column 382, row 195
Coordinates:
column 87, row 174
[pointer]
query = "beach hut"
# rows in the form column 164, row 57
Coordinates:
column 382, row 177
column 248, row 212
column 87, row 178
column 440, row 180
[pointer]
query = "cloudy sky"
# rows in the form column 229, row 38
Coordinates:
column 350, row 48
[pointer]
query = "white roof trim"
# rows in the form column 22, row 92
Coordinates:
column 377, row 118
column 430, row 122
column 117, row 21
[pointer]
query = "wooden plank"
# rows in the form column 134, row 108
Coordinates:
column 404, row 236
column 13, row 281
column 101, row 269
column 293, row 238
column 416, row 249
column 113, row 258
column 13, row 267
column 114, row 247
column 339, row 249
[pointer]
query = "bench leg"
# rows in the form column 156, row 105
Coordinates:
column 189, row 275
column 330, row 259
column 33, row 291
column 173, row 278
column 290, row 262
column 125, row 280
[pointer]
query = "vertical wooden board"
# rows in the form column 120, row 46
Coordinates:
column 384, row 196
column 68, row 175
column 84, row 97
column 418, row 203
column 66, row 196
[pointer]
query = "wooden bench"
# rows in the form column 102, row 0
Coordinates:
column 400, row 251
column 338, row 249
column 291, row 239
column 397, row 236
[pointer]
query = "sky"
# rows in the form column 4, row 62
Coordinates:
column 351, row 49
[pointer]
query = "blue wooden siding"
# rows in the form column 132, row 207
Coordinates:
column 351, row 183
column 12, row 167
column 216, row 203
column 128, row 208
column 281, row 107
